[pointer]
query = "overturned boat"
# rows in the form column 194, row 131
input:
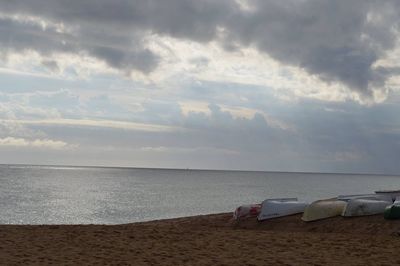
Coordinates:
column 245, row 211
column 392, row 212
column 392, row 193
column 322, row 209
column 347, row 198
column 273, row 208
column 365, row 206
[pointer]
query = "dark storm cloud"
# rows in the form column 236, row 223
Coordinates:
column 19, row 36
column 112, row 31
column 338, row 41
column 196, row 20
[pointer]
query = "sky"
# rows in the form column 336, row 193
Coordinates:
column 294, row 85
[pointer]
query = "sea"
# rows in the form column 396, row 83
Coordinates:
column 98, row 195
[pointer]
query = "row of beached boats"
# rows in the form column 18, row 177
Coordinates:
column 386, row 202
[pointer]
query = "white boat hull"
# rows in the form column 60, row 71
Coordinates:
column 322, row 209
column 347, row 198
column 274, row 208
column 362, row 207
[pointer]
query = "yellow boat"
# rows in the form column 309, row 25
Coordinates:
column 322, row 209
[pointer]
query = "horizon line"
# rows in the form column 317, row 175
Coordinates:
column 194, row 169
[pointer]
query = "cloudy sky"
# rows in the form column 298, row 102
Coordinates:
column 294, row 85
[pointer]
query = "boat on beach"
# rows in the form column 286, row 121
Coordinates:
column 245, row 211
column 347, row 198
column 273, row 208
column 322, row 209
column 365, row 206
column 392, row 212
column 392, row 193
column 342, row 205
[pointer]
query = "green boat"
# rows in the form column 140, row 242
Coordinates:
column 392, row 212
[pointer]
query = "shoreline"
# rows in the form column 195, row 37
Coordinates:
column 213, row 239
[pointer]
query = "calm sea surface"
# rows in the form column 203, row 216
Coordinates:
column 75, row 195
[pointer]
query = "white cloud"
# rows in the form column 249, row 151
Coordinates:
column 102, row 123
column 210, row 150
column 15, row 71
column 244, row 42
column 248, row 78
column 247, row 66
column 16, row 129
column 37, row 143
column 237, row 112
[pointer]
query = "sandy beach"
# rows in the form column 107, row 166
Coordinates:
column 206, row 240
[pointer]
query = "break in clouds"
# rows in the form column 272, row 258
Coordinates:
column 337, row 41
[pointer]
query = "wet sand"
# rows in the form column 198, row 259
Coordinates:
column 206, row 240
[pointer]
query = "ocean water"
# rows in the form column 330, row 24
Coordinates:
column 90, row 195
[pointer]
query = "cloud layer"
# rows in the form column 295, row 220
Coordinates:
column 245, row 84
column 37, row 143
column 337, row 41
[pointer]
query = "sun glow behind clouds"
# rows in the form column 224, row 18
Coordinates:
column 210, row 62
column 292, row 85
